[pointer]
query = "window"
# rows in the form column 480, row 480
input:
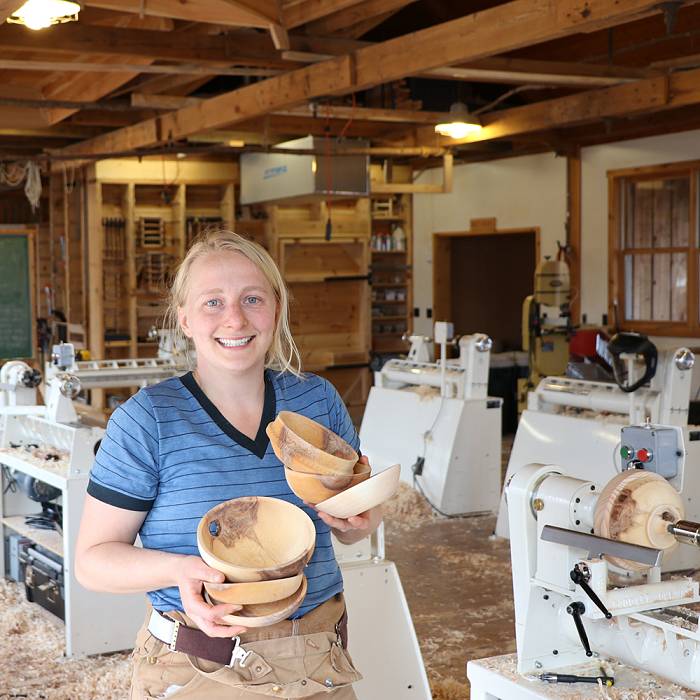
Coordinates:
column 654, row 249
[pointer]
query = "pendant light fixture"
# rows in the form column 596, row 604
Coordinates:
column 461, row 122
column 39, row 14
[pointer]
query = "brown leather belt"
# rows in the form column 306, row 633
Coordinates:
column 221, row 650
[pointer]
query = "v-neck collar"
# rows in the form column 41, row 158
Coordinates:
column 258, row 446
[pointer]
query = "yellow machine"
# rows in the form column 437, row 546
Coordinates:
column 546, row 325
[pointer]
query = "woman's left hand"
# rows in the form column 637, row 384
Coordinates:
column 354, row 528
column 357, row 527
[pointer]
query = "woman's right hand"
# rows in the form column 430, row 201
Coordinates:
column 191, row 575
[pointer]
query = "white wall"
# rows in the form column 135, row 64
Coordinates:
column 520, row 192
column 531, row 191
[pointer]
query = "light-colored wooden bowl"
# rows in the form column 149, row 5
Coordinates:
column 263, row 614
column 368, row 494
column 637, row 506
column 313, row 488
column 304, row 445
column 256, row 538
column 255, row 592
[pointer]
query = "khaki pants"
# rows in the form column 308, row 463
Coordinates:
column 292, row 659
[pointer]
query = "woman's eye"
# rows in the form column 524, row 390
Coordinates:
column 211, row 303
column 253, row 300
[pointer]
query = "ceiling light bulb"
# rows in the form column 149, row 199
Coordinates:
column 462, row 122
column 39, row 14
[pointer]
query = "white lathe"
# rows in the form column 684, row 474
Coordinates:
column 578, row 423
column 49, row 443
column 569, row 535
column 437, row 420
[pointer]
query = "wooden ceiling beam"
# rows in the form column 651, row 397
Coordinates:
column 305, row 11
column 221, row 12
column 490, row 32
column 242, row 48
column 7, row 7
column 85, row 67
column 354, row 14
column 171, row 102
column 642, row 97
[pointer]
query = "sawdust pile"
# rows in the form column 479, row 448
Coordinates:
column 32, row 665
column 408, row 508
column 449, row 690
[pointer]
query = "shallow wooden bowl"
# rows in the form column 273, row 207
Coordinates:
column 254, row 592
column 313, row 488
column 368, row 494
column 304, row 445
column 263, row 614
column 256, row 538
column 637, row 506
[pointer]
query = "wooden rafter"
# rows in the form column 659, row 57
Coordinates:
column 220, row 12
column 305, row 11
column 7, row 7
column 490, row 32
column 644, row 96
column 355, row 14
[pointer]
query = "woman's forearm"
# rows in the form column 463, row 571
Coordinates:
column 117, row 567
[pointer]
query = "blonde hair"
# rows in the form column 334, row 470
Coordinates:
column 282, row 355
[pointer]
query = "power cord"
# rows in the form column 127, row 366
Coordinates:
column 417, row 467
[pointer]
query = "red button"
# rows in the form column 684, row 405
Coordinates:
column 644, row 455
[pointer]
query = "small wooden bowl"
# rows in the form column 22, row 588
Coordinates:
column 256, row 538
column 368, row 494
column 253, row 593
column 263, row 614
column 637, row 506
column 313, row 488
column 304, row 445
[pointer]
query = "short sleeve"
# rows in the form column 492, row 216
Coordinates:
column 125, row 471
column 340, row 421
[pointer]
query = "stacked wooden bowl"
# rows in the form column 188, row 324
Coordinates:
column 317, row 463
column 261, row 545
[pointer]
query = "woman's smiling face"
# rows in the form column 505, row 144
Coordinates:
column 230, row 312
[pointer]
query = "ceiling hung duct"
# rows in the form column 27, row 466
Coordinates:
column 322, row 171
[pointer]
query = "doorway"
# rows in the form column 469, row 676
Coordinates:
column 480, row 279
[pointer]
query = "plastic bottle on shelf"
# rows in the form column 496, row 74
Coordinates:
column 398, row 238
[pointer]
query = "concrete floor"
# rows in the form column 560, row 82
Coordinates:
column 457, row 580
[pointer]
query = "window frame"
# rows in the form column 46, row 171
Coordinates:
column 617, row 248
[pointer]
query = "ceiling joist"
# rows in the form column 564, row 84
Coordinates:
column 493, row 31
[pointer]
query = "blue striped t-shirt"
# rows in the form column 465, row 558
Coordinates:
column 170, row 452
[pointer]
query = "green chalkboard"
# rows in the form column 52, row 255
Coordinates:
column 15, row 297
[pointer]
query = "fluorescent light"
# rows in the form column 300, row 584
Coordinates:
column 39, row 14
column 462, row 124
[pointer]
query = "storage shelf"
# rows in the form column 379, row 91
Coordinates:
column 387, row 252
column 389, row 284
column 389, row 318
column 50, row 539
column 393, row 217
column 380, row 302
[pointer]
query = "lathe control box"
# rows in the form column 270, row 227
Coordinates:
column 656, row 449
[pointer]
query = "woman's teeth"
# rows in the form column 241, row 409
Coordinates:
column 238, row 342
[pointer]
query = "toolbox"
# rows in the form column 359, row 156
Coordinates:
column 43, row 578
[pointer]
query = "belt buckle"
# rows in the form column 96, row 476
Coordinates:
column 238, row 653
column 176, row 629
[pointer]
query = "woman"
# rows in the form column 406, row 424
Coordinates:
column 176, row 449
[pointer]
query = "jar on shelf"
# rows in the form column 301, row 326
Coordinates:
column 398, row 238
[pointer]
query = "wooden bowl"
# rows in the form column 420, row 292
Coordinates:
column 263, row 614
column 368, row 494
column 255, row 592
column 304, row 445
column 637, row 506
column 256, row 538
column 313, row 488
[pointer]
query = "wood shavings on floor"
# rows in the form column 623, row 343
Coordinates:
column 32, row 661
